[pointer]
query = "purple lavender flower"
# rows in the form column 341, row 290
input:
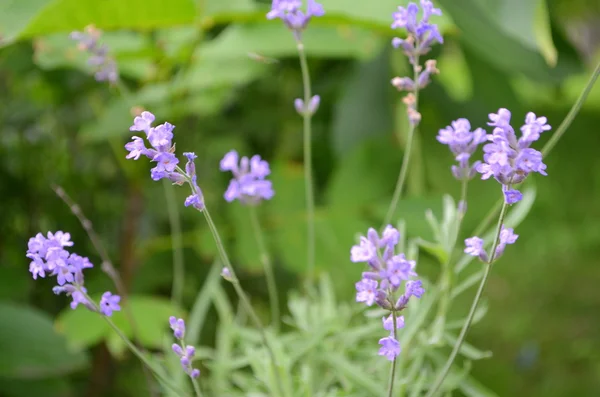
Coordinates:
column 162, row 152
column 248, row 185
column 312, row 107
column 421, row 33
column 507, row 236
column 109, row 303
column 387, row 271
column 106, row 68
column 462, row 142
column 185, row 353
column 508, row 159
column 178, row 327
column 474, row 247
column 49, row 257
column 390, row 348
column 290, row 12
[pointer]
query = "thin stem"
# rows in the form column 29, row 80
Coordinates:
column 463, row 332
column 566, row 123
column 242, row 295
column 176, row 242
column 107, row 267
column 393, row 367
column 196, row 387
column 267, row 265
column 308, row 176
column 407, row 151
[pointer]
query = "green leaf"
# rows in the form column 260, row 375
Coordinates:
column 84, row 328
column 274, row 40
column 40, row 18
column 363, row 110
column 202, row 303
column 502, row 33
column 353, row 373
column 31, row 348
column 15, row 15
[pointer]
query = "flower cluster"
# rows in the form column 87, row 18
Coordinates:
column 508, row 159
column 421, row 34
column 106, row 68
column 462, row 142
column 474, row 245
column 290, row 12
column 379, row 285
column 185, row 353
column 162, row 152
column 248, row 185
column 49, row 257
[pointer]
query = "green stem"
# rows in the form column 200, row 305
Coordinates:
column 242, row 295
column 267, row 265
column 176, row 242
column 562, row 128
column 393, row 367
column 463, row 332
column 194, row 381
column 407, row 151
column 308, row 176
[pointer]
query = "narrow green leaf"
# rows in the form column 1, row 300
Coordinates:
column 202, row 304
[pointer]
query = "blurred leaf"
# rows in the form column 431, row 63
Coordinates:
column 15, row 15
column 353, row 373
column 14, row 283
column 30, row 346
column 274, row 40
column 202, row 304
column 466, row 349
column 50, row 387
column 502, row 33
column 363, row 111
column 456, row 78
column 472, row 388
column 68, row 15
column 543, row 33
column 84, row 328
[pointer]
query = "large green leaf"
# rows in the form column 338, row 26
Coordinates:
column 30, row 347
column 38, row 17
column 151, row 316
column 504, row 32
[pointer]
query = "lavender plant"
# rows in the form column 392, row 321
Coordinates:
column 319, row 326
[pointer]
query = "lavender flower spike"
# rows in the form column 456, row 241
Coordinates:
column 290, row 12
column 185, row 353
column 49, row 257
column 510, row 159
column 248, row 185
column 106, row 68
column 462, row 142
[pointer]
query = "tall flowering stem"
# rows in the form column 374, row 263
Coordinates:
column 267, row 266
column 177, row 244
column 465, row 328
column 296, row 19
column 421, row 34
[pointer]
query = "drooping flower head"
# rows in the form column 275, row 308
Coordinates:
column 185, row 353
column 462, row 142
column 510, row 159
column 386, row 273
column 162, row 152
column 106, row 67
column 474, row 245
column 49, row 257
column 248, row 185
column 292, row 14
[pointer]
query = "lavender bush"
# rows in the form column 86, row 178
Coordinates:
column 321, row 345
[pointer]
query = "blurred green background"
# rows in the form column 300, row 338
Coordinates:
column 227, row 78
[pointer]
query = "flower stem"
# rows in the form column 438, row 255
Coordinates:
column 267, row 265
column 242, row 296
column 308, row 176
column 465, row 328
column 178, row 263
column 407, row 151
column 393, row 367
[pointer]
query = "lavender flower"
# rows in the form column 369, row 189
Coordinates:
column 162, row 152
column 248, row 185
column 474, row 245
column 49, row 257
column 508, row 159
column 379, row 285
column 290, row 12
column 185, row 353
column 312, row 107
column 106, row 68
column 421, row 34
column 462, row 142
